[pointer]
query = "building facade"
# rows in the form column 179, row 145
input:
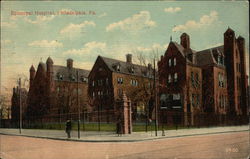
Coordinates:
column 57, row 91
column 212, row 80
column 110, row 78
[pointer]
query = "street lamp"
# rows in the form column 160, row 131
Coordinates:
column 78, row 105
column 20, row 106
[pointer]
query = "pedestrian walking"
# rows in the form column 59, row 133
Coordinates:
column 119, row 127
column 68, row 128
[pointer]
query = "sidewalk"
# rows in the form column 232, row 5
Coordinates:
column 93, row 136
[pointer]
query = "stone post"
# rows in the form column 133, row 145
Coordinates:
column 125, row 114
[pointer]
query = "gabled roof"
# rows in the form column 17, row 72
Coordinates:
column 184, row 51
column 206, row 57
column 125, row 67
column 68, row 73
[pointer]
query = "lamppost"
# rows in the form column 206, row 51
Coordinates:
column 20, row 106
column 156, row 107
column 78, row 105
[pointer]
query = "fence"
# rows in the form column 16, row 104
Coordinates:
column 106, row 121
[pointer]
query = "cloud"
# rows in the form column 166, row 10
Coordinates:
column 205, row 20
column 102, row 15
column 88, row 48
column 172, row 10
column 46, row 43
column 154, row 48
column 134, row 23
column 75, row 28
column 39, row 19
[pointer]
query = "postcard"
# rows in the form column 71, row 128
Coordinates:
column 124, row 79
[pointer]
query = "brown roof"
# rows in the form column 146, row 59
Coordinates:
column 126, row 67
column 206, row 57
column 68, row 74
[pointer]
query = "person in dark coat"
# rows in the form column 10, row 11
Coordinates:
column 119, row 127
column 68, row 128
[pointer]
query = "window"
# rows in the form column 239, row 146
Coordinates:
column 93, row 94
column 193, row 100
column 120, row 80
column 119, row 91
column 192, row 79
column 175, row 77
column 219, row 59
column 72, row 77
column 93, row 83
column 174, row 61
column 84, row 79
column 58, row 89
column 118, row 67
column 221, row 80
column 60, row 76
column 197, row 79
column 169, row 62
column 107, row 81
column 99, row 82
column 197, row 99
column 134, row 82
column 176, row 96
column 132, row 70
column 169, row 78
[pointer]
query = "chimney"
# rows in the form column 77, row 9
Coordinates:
column 149, row 66
column 129, row 58
column 185, row 40
column 69, row 63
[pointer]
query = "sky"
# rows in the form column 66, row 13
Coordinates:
column 31, row 31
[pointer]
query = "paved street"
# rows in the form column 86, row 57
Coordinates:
column 233, row 145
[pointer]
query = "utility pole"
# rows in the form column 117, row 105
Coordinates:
column 20, row 107
column 78, row 104
column 156, row 112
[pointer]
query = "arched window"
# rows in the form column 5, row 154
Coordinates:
column 175, row 77
column 174, row 61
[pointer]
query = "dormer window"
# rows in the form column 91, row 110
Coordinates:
column 72, row 78
column 118, row 68
column 219, row 59
column 131, row 69
column 59, row 76
column 84, row 79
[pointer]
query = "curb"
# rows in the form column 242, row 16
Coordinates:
column 135, row 140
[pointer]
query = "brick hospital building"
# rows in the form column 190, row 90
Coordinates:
column 213, row 80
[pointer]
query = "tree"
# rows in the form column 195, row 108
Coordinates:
column 4, row 108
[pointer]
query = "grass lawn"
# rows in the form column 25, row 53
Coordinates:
column 137, row 127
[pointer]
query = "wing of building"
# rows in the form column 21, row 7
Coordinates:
column 212, row 80
column 57, row 91
column 110, row 78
